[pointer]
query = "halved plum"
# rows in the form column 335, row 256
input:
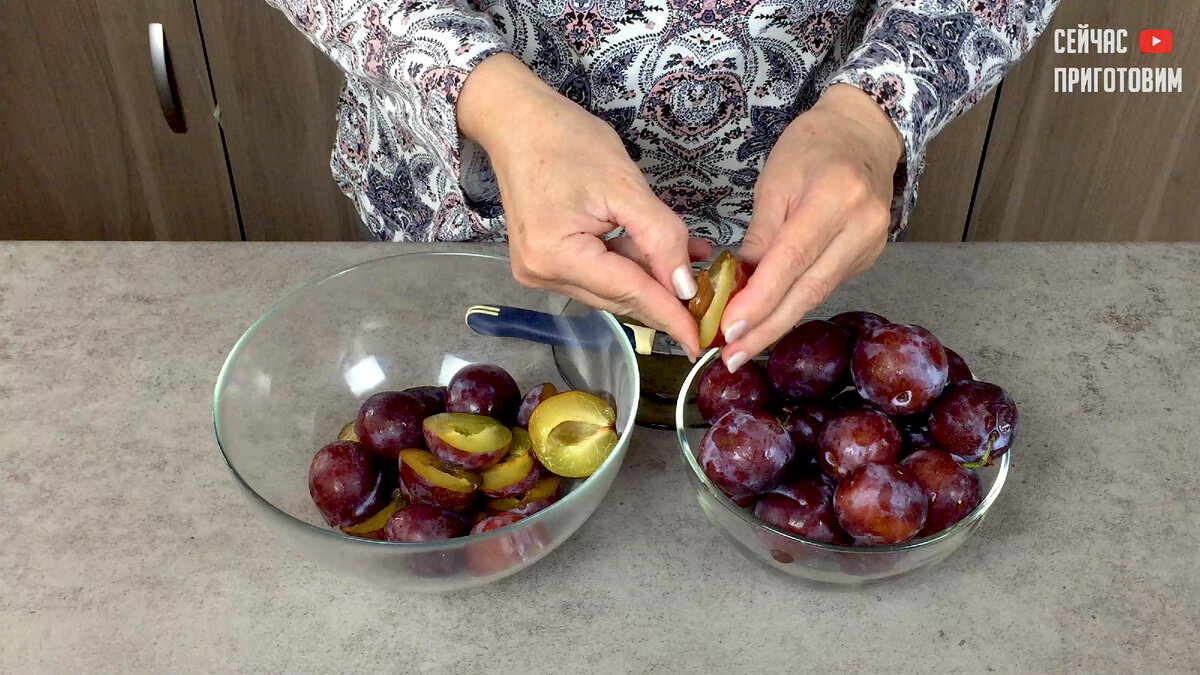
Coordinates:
column 421, row 522
column 465, row 440
column 715, row 287
column 426, row 480
column 346, row 483
column 544, row 493
column 348, row 433
column 533, row 398
column 372, row 528
column 514, row 475
column 572, row 433
column 503, row 552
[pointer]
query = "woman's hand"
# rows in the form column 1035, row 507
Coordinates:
column 566, row 180
column 821, row 215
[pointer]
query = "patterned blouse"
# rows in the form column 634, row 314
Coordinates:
column 699, row 90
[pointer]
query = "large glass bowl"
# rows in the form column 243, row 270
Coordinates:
column 302, row 370
column 814, row 561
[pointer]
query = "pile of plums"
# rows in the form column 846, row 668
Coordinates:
column 432, row 463
column 857, row 431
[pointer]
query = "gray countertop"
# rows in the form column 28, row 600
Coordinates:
column 125, row 546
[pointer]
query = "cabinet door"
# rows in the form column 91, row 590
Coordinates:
column 951, row 166
column 278, row 99
column 86, row 150
column 1096, row 166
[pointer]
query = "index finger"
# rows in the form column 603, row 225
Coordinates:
column 804, row 236
column 627, row 286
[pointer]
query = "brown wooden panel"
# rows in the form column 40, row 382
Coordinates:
column 952, row 163
column 86, row 152
column 1097, row 166
column 278, row 98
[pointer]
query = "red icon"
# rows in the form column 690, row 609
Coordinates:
column 1156, row 41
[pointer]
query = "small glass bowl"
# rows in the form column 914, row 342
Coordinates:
column 814, row 561
column 302, row 370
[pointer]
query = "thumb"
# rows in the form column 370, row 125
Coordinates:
column 661, row 237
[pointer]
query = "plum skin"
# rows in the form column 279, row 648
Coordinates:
column 390, row 421
column 958, row 368
column 484, row 389
column 881, row 504
column 346, row 483
column 504, row 552
column 858, row 437
column 976, row 422
column 804, row 424
column 953, row 490
column 899, row 369
column 745, row 452
column 532, row 399
column 810, row 361
column 421, row 522
column 803, row 507
column 720, row 391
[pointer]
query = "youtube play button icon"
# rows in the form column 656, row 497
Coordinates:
column 1156, row 41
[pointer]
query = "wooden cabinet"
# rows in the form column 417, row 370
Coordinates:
column 951, row 166
column 86, row 151
column 1096, row 166
column 278, row 99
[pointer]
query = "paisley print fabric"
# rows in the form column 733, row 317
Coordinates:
column 698, row 90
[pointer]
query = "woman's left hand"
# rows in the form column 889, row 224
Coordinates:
column 821, row 215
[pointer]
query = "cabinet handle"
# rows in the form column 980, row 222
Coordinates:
column 164, row 80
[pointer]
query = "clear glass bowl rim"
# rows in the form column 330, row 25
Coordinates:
column 444, row 544
column 690, row 459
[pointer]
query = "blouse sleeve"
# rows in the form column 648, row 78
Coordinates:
column 928, row 61
column 419, row 51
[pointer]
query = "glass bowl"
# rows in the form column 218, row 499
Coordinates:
column 302, row 370
column 805, row 559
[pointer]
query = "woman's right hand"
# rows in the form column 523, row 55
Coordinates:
column 565, row 181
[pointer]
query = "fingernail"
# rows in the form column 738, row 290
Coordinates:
column 736, row 361
column 736, row 331
column 685, row 283
column 691, row 357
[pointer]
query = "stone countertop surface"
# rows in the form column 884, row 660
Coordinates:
column 125, row 545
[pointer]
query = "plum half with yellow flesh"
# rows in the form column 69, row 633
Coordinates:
column 514, row 475
column 426, row 480
column 715, row 287
column 544, row 493
column 372, row 528
column 573, row 433
column 348, row 433
column 465, row 440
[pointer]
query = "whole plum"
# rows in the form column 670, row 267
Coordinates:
column 745, row 452
column 899, row 369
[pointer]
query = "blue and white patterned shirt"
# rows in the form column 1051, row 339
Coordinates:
column 699, row 90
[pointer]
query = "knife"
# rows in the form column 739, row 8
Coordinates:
column 565, row 331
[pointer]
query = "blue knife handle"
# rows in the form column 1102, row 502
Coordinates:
column 550, row 329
